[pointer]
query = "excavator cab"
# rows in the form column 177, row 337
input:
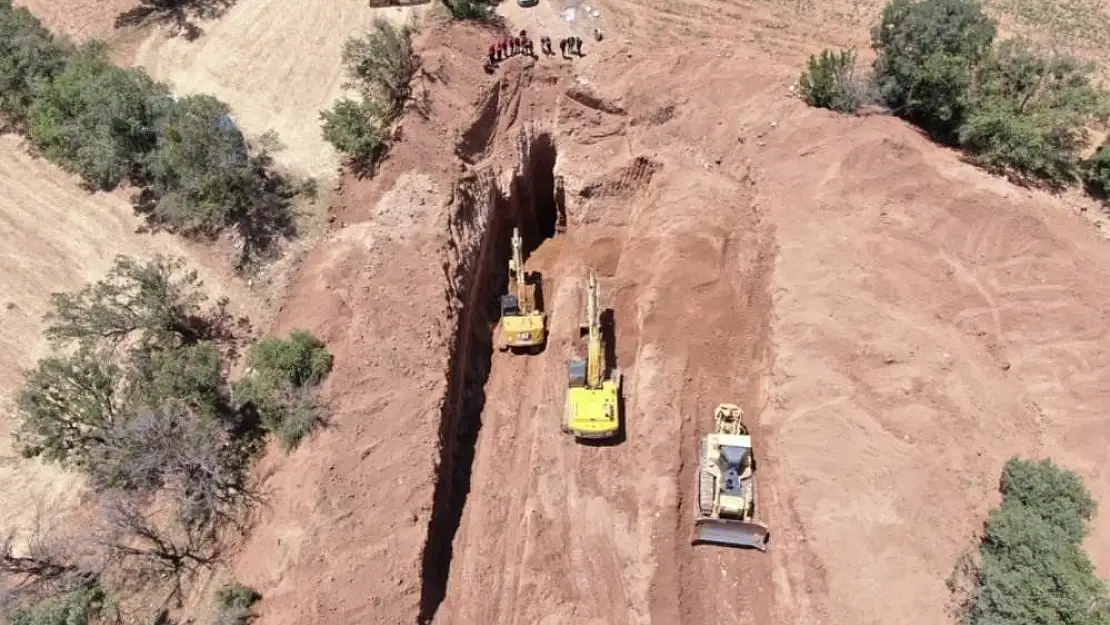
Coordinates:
column 510, row 306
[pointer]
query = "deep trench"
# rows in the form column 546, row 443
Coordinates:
column 535, row 203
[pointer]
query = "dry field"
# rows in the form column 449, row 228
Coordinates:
column 56, row 237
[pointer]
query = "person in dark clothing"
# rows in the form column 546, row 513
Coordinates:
column 578, row 46
column 563, row 48
column 545, row 45
column 503, row 49
column 492, row 53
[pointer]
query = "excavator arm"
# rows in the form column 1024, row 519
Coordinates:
column 593, row 323
column 516, row 263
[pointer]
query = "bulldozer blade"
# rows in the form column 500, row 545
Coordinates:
column 731, row 533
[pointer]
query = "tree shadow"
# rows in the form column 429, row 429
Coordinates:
column 181, row 14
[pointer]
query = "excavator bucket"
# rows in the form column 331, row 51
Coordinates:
column 731, row 533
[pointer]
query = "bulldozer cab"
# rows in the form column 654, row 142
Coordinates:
column 737, row 465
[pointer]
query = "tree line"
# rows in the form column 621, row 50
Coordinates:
column 1014, row 108
column 193, row 171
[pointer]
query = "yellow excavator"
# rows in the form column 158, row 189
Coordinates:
column 593, row 410
column 523, row 327
column 726, row 486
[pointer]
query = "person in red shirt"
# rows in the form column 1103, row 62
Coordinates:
column 492, row 53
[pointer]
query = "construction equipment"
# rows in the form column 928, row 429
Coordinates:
column 593, row 410
column 726, row 486
column 522, row 325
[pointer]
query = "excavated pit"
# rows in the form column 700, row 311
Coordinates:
column 483, row 215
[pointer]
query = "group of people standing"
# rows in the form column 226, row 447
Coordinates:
column 521, row 44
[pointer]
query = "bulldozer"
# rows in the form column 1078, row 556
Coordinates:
column 523, row 326
column 726, row 486
column 593, row 400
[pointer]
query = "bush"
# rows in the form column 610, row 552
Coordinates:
column 829, row 81
column 97, row 120
column 1096, row 173
column 354, row 129
column 925, row 49
column 152, row 305
column 1014, row 110
column 380, row 65
column 29, row 56
column 469, row 9
column 1034, row 570
column 1029, row 112
column 280, row 381
column 234, row 602
column 79, row 606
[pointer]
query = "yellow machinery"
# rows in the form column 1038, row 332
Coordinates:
column 522, row 326
column 593, row 409
column 726, row 486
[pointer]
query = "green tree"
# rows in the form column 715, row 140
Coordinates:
column 97, row 120
column 29, row 56
column 198, row 168
column 1029, row 112
column 156, row 303
column 380, row 65
column 1033, row 568
column 829, row 81
column 279, row 384
column 68, row 406
column 189, row 375
column 352, row 127
column 925, row 49
column 202, row 179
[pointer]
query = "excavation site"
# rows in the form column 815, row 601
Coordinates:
column 484, row 216
column 878, row 310
column 529, row 524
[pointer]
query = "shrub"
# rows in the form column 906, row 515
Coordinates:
column 1096, row 173
column 354, row 129
column 829, row 81
column 78, row 606
column 1034, row 569
column 469, row 9
column 380, row 65
column 925, row 48
column 280, row 381
column 67, row 406
column 233, row 602
column 97, row 120
column 151, row 304
column 1029, row 112
column 29, row 56
column 1014, row 110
